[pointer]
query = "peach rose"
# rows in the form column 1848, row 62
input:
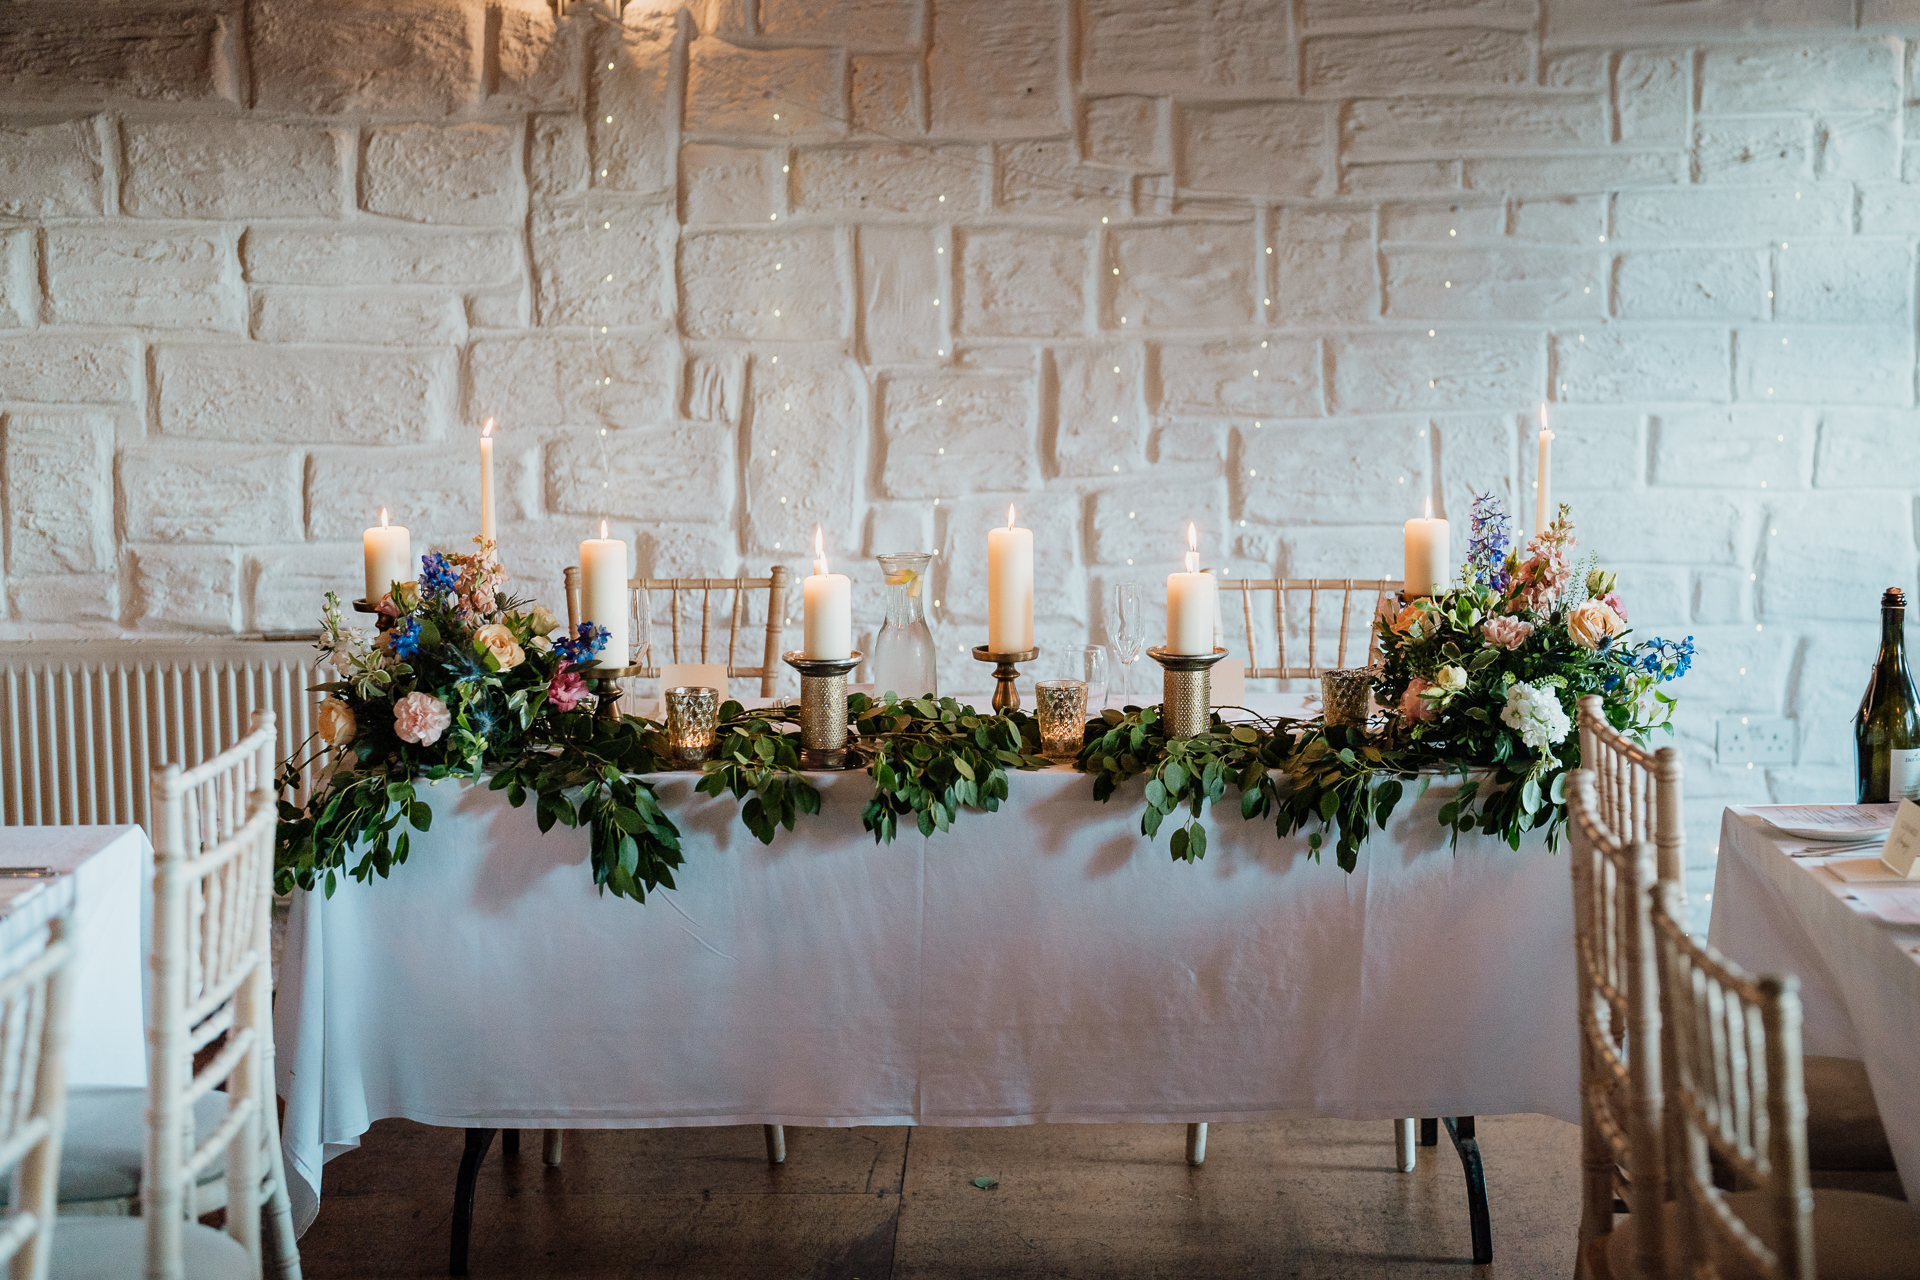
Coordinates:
column 1508, row 633
column 421, row 718
column 496, row 643
column 1593, row 622
column 337, row 725
column 1408, row 616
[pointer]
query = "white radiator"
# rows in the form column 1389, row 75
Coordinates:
column 83, row 723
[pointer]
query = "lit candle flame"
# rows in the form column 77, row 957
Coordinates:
column 383, row 517
column 603, row 529
column 487, row 430
column 1429, row 507
column 1193, row 549
column 819, row 553
column 1543, row 421
column 1009, row 515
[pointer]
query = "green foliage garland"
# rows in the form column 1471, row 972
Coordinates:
column 932, row 758
column 757, row 761
column 1181, row 772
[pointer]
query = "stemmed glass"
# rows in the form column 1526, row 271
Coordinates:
column 1129, row 633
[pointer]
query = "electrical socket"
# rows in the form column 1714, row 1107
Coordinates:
column 1754, row 740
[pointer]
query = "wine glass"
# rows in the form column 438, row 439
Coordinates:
column 1129, row 633
column 1087, row 663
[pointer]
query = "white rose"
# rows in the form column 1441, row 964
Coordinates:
column 542, row 621
column 1450, row 680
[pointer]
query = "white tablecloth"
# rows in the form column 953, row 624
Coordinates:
column 1043, row 963
column 106, row 878
column 1859, row 977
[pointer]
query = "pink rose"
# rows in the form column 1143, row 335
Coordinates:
column 566, row 690
column 1508, row 633
column 421, row 718
column 1613, row 601
column 1413, row 707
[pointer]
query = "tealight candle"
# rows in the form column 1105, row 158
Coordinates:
column 1543, row 497
column 389, row 556
column 1009, row 588
column 604, row 595
column 1190, row 605
column 1429, row 555
column 828, row 607
column 486, row 481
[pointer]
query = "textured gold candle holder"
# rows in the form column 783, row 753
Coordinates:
column 1006, row 695
column 1344, row 694
column 604, row 682
column 1186, row 690
column 693, row 719
column 823, row 707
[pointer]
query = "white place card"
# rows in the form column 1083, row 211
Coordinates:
column 1862, row 871
column 681, row 675
column 1902, row 852
column 1227, row 683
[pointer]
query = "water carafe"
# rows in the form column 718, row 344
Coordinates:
column 903, row 651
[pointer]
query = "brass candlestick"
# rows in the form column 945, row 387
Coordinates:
column 1186, row 690
column 823, row 707
column 605, row 684
column 1006, row 696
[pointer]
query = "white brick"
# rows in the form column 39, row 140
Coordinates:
column 1593, row 171
column 461, row 174
column 727, row 184
column 1718, row 596
column 1047, row 177
column 888, row 179
column 1865, row 148
column 1334, row 13
column 813, row 454
column 169, row 493
column 996, row 68
column 1745, row 448
column 1184, row 441
column 863, row 24
column 648, row 473
column 1652, row 88
column 1325, row 267
column 1399, row 178
column 1145, row 522
column 1845, row 282
column 1867, row 449
column 292, row 395
column 78, row 604
column 220, row 168
column 762, row 284
column 1268, row 149
column 1186, row 275
column 948, row 435
column 887, row 94
column 19, row 283
column 1830, row 674
column 1418, row 127
column 1759, row 151
column 960, row 574
column 1022, row 283
column 633, row 152
column 50, row 170
column 899, row 526
column 1822, row 559
column 900, row 276
column 1560, row 220
column 575, row 250
column 285, row 586
column 1888, row 210
column 167, row 52
column 1732, row 217
column 385, row 316
column 537, row 61
column 436, row 497
column 1830, row 366
column 557, row 161
column 1448, row 223
column 1609, row 365
column 1124, row 131
column 1594, row 448
column 1217, row 377
column 414, row 56
column 1692, row 284
column 60, row 369
column 1830, row 76
column 1143, row 45
column 540, row 381
column 108, row 276
column 693, row 551
column 59, row 491
column 1101, row 419
column 1477, row 453
column 1734, row 669
column 1433, row 58
column 1455, row 369
column 1651, row 528
column 379, row 258
column 727, row 91
column 179, row 589
column 1575, row 68
column 713, row 387
column 1343, row 472
column 1460, row 284
column 1350, row 551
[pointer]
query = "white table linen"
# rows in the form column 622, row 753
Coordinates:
column 106, row 878
column 1859, row 976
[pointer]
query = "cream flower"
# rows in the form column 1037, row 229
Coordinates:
column 1450, row 680
column 337, row 725
column 1593, row 622
column 497, row 644
column 421, row 718
column 541, row 620
column 1536, row 715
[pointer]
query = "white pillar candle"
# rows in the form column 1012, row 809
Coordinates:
column 486, row 481
column 1009, row 588
column 1543, row 486
column 604, row 595
column 1191, row 599
column 1429, row 555
column 389, row 556
column 827, row 600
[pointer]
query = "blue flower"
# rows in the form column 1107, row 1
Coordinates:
column 591, row 639
column 406, row 638
column 437, row 577
column 1492, row 535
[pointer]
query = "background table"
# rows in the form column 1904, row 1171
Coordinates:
column 1859, row 977
column 1043, row 963
column 106, row 878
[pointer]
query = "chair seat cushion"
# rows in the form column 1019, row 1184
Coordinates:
column 1855, row 1237
column 116, row 1249
column 101, row 1155
column 1843, row 1121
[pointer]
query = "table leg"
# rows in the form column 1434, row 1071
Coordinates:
column 478, row 1140
column 509, row 1142
column 1403, row 1143
column 550, row 1147
column 1197, row 1143
column 1460, row 1129
column 1429, row 1132
column 776, row 1135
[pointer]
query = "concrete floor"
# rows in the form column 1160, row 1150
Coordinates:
column 1306, row 1198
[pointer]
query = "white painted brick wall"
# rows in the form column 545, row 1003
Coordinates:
column 889, row 265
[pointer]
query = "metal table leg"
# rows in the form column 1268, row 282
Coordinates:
column 478, row 1140
column 1460, row 1129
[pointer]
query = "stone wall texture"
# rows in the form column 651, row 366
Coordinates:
column 723, row 272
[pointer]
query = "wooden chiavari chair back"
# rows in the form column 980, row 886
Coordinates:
column 1301, row 614
column 735, row 619
column 1638, row 789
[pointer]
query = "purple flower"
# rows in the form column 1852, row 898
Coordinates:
column 1492, row 535
column 582, row 647
column 406, row 638
column 437, row 577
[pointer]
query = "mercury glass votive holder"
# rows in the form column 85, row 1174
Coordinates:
column 1061, row 708
column 1344, row 694
column 693, row 718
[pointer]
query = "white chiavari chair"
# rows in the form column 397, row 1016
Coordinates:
column 1327, row 621
column 680, row 595
column 212, row 1001
column 33, row 1033
column 1734, row 1081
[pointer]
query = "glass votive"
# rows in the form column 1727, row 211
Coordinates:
column 1061, row 708
column 693, row 716
column 1344, row 694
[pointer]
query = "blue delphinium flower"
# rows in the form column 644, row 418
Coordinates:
column 437, row 578
column 1492, row 535
column 583, row 647
column 406, row 638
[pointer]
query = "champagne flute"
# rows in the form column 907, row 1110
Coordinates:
column 1129, row 633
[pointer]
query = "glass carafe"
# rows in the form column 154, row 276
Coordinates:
column 903, row 651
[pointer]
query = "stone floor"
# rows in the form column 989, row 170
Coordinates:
column 1284, row 1198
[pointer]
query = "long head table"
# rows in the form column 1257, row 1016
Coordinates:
column 1043, row 963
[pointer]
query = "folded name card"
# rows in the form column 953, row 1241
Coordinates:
column 1901, row 855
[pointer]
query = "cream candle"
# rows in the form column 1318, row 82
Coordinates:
column 1190, row 604
column 828, row 608
column 1543, row 478
column 389, row 556
column 486, row 481
column 1009, row 588
column 605, row 598
column 1429, row 555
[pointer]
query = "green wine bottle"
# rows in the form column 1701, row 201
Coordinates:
column 1886, row 734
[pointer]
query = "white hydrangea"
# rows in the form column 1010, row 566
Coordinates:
column 1536, row 716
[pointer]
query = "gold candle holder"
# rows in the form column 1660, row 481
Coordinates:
column 1186, row 690
column 605, row 685
column 823, row 707
column 1061, row 708
column 1006, row 695
column 1344, row 693
column 693, row 719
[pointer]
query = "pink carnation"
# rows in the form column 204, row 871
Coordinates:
column 1613, row 601
column 1508, row 633
column 1413, row 707
column 421, row 718
column 566, row 690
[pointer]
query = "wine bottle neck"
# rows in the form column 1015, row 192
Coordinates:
column 1893, row 639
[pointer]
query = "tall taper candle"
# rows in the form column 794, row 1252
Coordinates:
column 486, row 481
column 1009, row 589
column 605, row 598
column 389, row 557
column 1543, row 488
column 1429, row 555
column 1191, row 597
column 828, row 608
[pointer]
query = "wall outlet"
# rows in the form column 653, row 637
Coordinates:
column 1754, row 740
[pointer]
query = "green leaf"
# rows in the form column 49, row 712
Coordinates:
column 986, row 1184
column 1174, row 776
column 1246, row 734
column 1196, row 842
column 420, row 814
column 1177, row 845
column 1156, row 794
